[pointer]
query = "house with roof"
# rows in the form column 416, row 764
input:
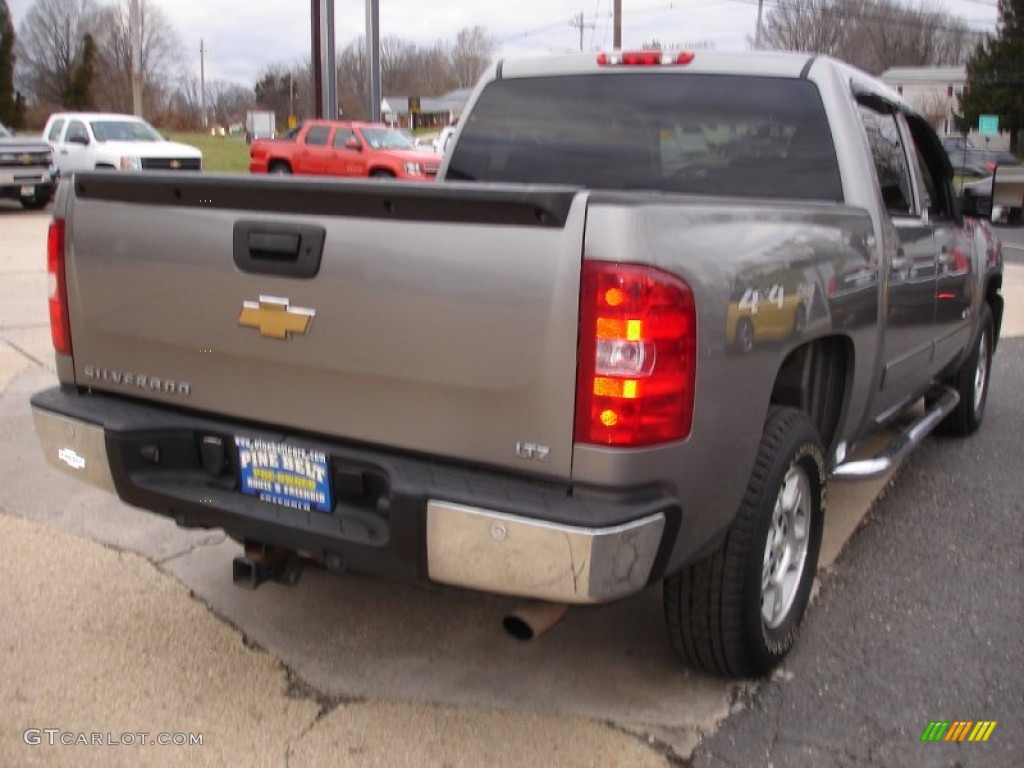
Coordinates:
column 935, row 93
column 434, row 111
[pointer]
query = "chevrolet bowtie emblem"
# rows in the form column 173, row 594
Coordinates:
column 274, row 318
column 26, row 159
column 175, row 165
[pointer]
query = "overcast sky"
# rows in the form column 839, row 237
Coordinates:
column 242, row 36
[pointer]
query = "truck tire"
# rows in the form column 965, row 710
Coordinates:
column 744, row 335
column 381, row 173
column 279, row 168
column 971, row 382
column 737, row 612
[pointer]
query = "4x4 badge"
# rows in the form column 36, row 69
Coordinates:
column 274, row 318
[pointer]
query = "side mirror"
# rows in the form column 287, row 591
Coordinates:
column 76, row 139
column 976, row 206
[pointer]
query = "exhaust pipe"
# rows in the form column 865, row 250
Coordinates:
column 532, row 620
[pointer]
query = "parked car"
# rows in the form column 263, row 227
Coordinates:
column 1006, row 206
column 956, row 142
column 27, row 173
column 979, row 162
column 344, row 148
column 84, row 141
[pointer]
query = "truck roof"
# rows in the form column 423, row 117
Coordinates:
column 346, row 123
column 752, row 63
column 95, row 116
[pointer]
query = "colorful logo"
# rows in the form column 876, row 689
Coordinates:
column 958, row 730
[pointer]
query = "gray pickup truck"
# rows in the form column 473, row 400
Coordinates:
column 27, row 170
column 653, row 304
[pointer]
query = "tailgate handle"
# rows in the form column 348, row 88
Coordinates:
column 286, row 250
column 267, row 245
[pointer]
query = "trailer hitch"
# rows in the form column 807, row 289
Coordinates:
column 263, row 562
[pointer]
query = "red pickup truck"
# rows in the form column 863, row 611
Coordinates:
column 344, row 148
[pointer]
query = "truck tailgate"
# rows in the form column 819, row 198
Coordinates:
column 440, row 319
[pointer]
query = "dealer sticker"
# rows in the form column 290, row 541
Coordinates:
column 287, row 475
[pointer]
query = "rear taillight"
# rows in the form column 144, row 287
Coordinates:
column 637, row 356
column 60, row 325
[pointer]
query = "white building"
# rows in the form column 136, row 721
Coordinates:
column 935, row 93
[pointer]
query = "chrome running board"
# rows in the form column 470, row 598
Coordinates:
column 901, row 444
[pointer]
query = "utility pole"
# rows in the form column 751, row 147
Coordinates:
column 373, row 92
column 318, row 72
column 202, row 83
column 135, row 26
column 617, row 25
column 757, row 32
column 325, row 66
column 577, row 21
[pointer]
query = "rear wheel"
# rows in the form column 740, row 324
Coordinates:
column 971, row 382
column 279, row 169
column 744, row 335
column 799, row 320
column 381, row 174
column 737, row 612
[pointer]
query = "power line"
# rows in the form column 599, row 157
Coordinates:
column 674, row 7
column 597, row 15
column 577, row 21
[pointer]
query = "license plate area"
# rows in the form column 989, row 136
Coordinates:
column 284, row 474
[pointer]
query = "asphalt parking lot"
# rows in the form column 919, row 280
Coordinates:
column 118, row 623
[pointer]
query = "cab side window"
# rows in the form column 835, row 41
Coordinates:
column 55, row 130
column 932, row 170
column 891, row 165
column 317, row 136
column 341, row 136
column 77, row 131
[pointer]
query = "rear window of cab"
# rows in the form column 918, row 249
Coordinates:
column 694, row 133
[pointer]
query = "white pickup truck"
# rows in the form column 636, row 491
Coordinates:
column 86, row 141
column 652, row 305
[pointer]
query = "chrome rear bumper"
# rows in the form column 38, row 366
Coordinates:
column 74, row 446
column 493, row 552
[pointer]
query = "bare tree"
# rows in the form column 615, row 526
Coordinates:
column 50, row 45
column 411, row 70
column 9, row 112
column 436, row 73
column 352, row 80
column 228, row 102
column 472, row 52
column 275, row 89
column 871, row 34
column 186, row 102
column 935, row 109
column 161, row 51
column 399, row 65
